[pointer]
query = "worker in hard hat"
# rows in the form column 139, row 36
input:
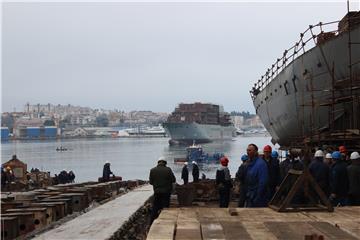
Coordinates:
column 339, row 181
column 320, row 171
column 354, row 179
column 273, row 170
column 223, row 182
column 328, row 160
column 195, row 171
column 185, row 173
column 240, row 178
column 344, row 154
column 161, row 178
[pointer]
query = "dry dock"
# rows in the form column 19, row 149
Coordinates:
column 254, row 223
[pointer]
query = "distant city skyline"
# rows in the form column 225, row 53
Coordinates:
column 147, row 56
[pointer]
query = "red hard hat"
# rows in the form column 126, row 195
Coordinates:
column 342, row 149
column 224, row 161
column 267, row 148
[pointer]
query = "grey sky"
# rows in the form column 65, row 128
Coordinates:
column 146, row 56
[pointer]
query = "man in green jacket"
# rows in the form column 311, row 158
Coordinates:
column 162, row 179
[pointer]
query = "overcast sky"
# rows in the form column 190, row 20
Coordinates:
column 146, row 56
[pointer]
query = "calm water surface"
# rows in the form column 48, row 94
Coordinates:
column 131, row 158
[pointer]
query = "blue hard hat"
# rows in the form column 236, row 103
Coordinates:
column 274, row 154
column 336, row 155
column 244, row 158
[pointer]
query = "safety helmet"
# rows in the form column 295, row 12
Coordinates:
column 274, row 154
column 224, row 161
column 342, row 149
column 267, row 148
column 244, row 158
column 319, row 153
column 336, row 155
column 193, row 162
column 162, row 159
column 328, row 155
column 354, row 155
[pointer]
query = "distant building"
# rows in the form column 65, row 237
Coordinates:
column 238, row 121
column 33, row 128
column 4, row 133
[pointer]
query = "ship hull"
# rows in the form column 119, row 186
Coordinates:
column 186, row 133
column 302, row 100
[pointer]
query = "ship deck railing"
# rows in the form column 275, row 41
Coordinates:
column 308, row 40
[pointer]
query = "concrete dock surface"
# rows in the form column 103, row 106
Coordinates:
column 102, row 222
column 254, row 223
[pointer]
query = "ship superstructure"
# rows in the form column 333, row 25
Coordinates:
column 199, row 122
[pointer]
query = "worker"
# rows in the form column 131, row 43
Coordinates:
column 162, row 179
column 354, row 179
column 273, row 170
column 292, row 161
column 107, row 171
column 185, row 173
column 344, row 155
column 339, row 181
column 320, row 171
column 223, row 182
column 328, row 160
column 256, row 179
column 195, row 171
column 240, row 178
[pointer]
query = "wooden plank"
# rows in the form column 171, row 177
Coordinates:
column 188, row 230
column 161, row 230
column 257, row 230
column 284, row 231
column 333, row 232
column 212, row 230
column 235, row 230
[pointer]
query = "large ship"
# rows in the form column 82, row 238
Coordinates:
column 311, row 94
column 200, row 123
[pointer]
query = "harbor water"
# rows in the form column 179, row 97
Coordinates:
column 131, row 158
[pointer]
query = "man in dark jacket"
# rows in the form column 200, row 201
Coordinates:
column 256, row 179
column 106, row 171
column 162, row 178
column 185, row 173
column 320, row 171
column 240, row 178
column 195, row 171
column 292, row 161
column 223, row 182
column 273, row 169
column 63, row 177
column 339, row 181
column 354, row 179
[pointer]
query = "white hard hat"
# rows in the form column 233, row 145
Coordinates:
column 185, row 163
column 161, row 158
column 319, row 153
column 354, row 155
column 328, row 155
column 107, row 162
column 261, row 152
column 193, row 162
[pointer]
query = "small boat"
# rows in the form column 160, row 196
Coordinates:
column 196, row 153
column 61, row 149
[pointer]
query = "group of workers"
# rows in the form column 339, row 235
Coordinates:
column 261, row 173
column 64, row 177
column 185, row 172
